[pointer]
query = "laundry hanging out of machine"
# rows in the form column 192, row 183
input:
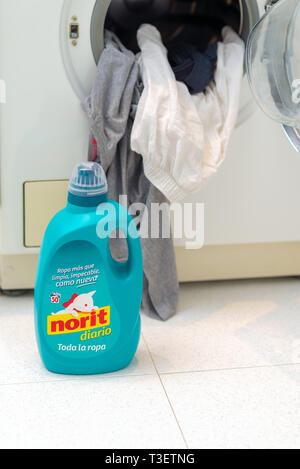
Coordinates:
column 191, row 140
column 161, row 137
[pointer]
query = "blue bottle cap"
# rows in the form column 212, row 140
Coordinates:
column 88, row 180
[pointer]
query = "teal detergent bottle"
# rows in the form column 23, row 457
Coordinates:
column 87, row 304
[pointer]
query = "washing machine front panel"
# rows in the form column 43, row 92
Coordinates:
column 44, row 133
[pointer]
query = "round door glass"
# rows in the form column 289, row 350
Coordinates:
column 273, row 62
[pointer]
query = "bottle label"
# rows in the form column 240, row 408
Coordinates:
column 80, row 317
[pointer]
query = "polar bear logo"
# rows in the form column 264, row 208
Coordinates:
column 79, row 304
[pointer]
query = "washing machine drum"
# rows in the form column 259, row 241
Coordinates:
column 273, row 62
column 131, row 13
column 128, row 15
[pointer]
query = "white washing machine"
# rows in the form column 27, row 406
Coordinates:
column 48, row 56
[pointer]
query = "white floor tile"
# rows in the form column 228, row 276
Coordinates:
column 238, row 409
column 19, row 358
column 126, row 412
column 229, row 324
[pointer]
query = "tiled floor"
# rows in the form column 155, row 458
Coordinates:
column 223, row 373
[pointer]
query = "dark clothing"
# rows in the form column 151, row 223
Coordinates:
column 194, row 68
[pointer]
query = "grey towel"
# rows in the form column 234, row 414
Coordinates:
column 111, row 110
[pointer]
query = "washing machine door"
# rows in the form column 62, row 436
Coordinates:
column 273, row 65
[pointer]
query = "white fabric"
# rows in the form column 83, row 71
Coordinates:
column 183, row 138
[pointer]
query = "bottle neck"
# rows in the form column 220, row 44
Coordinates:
column 86, row 203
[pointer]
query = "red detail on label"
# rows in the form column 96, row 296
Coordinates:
column 66, row 305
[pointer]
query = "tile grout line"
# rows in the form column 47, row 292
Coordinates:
column 214, row 370
column 163, row 373
column 166, row 394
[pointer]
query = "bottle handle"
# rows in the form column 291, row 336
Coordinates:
column 120, row 219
